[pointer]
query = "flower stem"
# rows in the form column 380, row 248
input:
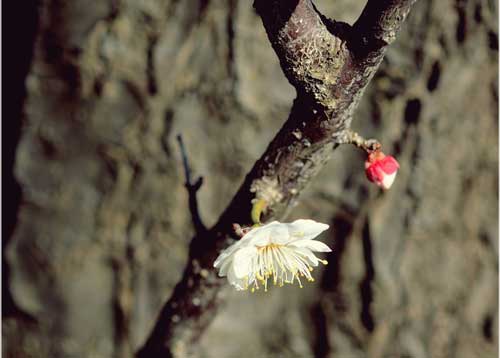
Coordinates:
column 258, row 207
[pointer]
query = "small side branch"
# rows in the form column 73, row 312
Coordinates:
column 368, row 145
column 192, row 189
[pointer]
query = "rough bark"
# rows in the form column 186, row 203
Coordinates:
column 103, row 227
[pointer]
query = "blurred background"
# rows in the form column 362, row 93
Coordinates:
column 96, row 227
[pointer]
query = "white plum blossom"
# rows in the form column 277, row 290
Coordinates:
column 282, row 252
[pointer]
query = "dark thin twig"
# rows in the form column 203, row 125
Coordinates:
column 192, row 189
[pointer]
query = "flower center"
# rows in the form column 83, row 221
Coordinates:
column 269, row 247
column 281, row 263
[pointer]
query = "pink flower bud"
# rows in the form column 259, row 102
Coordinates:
column 381, row 169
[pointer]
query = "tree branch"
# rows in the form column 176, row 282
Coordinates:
column 329, row 63
column 379, row 23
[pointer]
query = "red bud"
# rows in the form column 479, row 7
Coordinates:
column 381, row 169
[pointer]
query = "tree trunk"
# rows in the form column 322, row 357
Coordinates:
column 101, row 229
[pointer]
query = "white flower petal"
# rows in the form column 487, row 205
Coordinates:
column 225, row 267
column 386, row 183
column 306, row 229
column 225, row 254
column 238, row 283
column 256, row 234
column 279, row 234
column 220, row 259
column 312, row 245
column 242, row 261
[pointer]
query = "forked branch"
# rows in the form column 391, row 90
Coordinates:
column 329, row 63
